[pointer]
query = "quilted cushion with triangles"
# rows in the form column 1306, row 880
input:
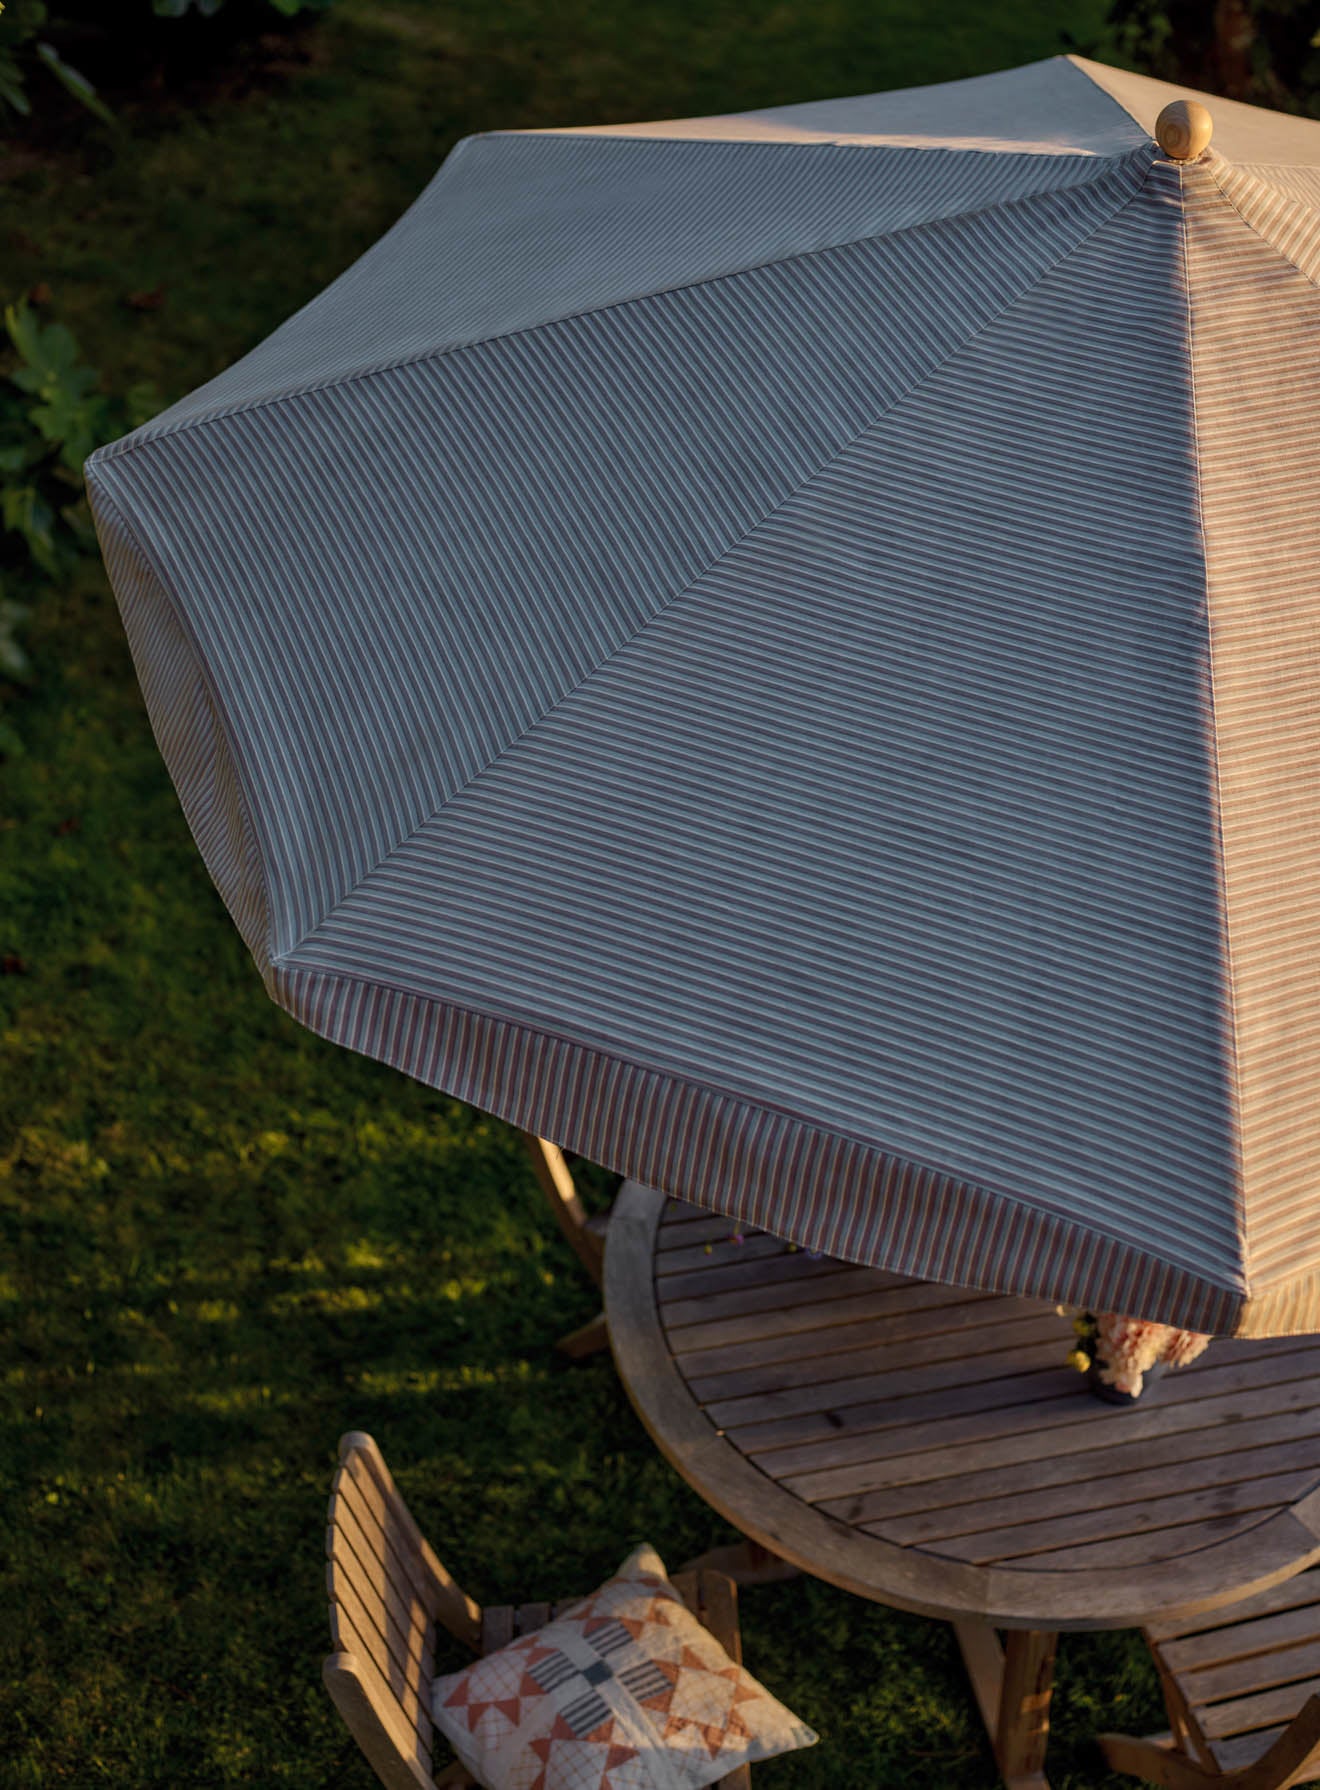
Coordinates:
column 624, row 1691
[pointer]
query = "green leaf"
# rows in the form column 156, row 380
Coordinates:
column 141, row 402
column 75, row 83
column 23, row 329
column 25, row 512
column 18, row 458
column 14, row 662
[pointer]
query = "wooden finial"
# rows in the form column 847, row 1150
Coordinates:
column 1183, row 129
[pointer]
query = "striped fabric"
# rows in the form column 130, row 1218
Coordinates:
column 776, row 652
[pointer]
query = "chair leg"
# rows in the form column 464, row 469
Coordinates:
column 1294, row 1758
column 746, row 1562
column 570, row 1214
column 590, row 1339
column 1157, row 1763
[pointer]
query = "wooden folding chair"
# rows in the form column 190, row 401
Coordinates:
column 585, row 1234
column 1242, row 1689
column 387, row 1594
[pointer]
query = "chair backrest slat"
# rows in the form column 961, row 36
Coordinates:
column 387, row 1589
column 410, row 1650
column 407, row 1691
column 396, row 1756
column 365, row 1465
column 398, row 1607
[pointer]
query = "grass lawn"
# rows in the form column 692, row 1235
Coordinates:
column 223, row 1241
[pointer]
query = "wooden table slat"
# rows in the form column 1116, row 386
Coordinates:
column 685, row 1231
column 863, row 1467
column 743, row 1369
column 828, row 1326
column 1086, row 1560
column 949, row 1479
column 717, row 1252
column 1123, row 1497
column 750, row 1295
column 1106, row 1520
column 764, row 1271
column 928, row 1446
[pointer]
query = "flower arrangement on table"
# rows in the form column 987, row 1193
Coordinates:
column 1119, row 1352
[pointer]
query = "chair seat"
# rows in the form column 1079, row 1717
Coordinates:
column 1237, row 1683
column 1244, row 1672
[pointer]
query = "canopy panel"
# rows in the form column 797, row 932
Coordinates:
column 780, row 652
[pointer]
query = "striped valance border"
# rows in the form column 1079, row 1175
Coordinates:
column 767, row 1169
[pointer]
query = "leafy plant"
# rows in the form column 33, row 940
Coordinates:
column 1266, row 52
column 52, row 414
column 21, row 48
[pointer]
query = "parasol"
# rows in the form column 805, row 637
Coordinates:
column 782, row 653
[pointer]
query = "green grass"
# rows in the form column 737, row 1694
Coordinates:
column 223, row 1241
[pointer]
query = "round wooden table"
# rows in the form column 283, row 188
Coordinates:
column 927, row 1447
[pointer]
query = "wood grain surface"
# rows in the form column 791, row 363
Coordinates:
column 926, row 1445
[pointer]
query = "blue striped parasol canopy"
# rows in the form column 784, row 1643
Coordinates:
column 782, row 652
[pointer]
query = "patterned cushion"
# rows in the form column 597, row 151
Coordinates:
column 624, row 1691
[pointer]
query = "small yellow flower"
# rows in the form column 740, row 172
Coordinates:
column 1079, row 1359
column 1082, row 1326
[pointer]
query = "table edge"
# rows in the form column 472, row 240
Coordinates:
column 867, row 1565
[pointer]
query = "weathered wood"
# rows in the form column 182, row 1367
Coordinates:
column 745, row 1562
column 380, row 1545
column 1134, row 1502
column 983, row 1657
column 1263, row 1710
column 790, row 1269
column 1288, row 1595
column 926, row 1483
column 372, row 1612
column 1023, row 1725
column 394, row 1754
column 1290, row 1756
column 792, row 1276
column 406, row 1697
column 878, row 1370
column 498, row 1627
column 827, row 1326
column 1258, row 1671
column 454, row 1610
column 556, row 1180
column 884, row 1487
column 1060, row 1422
column 384, row 1581
column 904, row 1371
column 1269, row 1634
column 589, row 1339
